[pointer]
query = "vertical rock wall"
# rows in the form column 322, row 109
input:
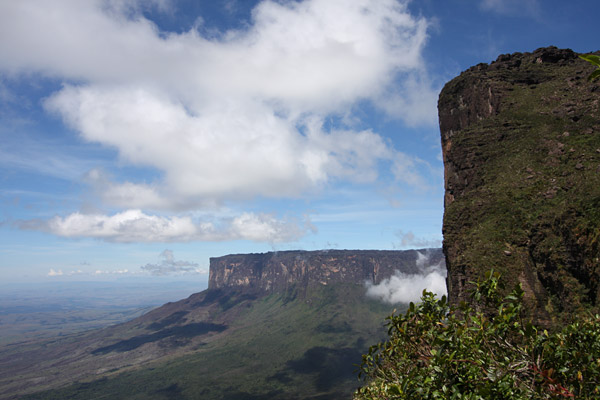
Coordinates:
column 279, row 271
column 521, row 148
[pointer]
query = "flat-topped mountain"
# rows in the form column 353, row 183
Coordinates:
column 277, row 271
column 521, row 149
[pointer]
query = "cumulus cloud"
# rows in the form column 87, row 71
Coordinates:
column 55, row 273
column 229, row 153
column 309, row 55
column 404, row 288
column 136, row 226
column 234, row 117
column 168, row 265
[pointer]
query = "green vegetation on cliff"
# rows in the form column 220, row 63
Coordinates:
column 521, row 147
column 521, row 143
column 481, row 350
column 594, row 60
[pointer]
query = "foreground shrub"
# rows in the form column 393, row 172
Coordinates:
column 594, row 60
column 481, row 350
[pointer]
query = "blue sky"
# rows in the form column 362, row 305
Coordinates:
column 140, row 138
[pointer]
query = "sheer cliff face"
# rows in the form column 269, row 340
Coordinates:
column 521, row 148
column 274, row 272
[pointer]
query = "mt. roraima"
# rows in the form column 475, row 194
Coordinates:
column 276, row 272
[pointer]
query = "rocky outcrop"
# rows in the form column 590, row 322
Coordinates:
column 279, row 271
column 521, row 149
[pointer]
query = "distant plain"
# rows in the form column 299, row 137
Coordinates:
column 49, row 309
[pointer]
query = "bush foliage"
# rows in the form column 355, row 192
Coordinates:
column 482, row 350
column 594, row 60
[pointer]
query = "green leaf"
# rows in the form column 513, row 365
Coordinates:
column 594, row 75
column 394, row 389
column 592, row 58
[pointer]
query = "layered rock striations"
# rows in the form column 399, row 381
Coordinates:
column 521, row 149
column 279, row 271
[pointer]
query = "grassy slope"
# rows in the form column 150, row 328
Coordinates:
column 281, row 346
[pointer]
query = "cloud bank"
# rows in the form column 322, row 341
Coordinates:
column 136, row 226
column 404, row 288
column 231, row 117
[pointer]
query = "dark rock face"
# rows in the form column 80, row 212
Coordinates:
column 521, row 148
column 278, row 271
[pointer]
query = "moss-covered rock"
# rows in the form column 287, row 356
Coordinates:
column 521, row 147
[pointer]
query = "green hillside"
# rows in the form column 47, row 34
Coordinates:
column 275, row 346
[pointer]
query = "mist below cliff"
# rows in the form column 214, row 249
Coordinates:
column 404, row 287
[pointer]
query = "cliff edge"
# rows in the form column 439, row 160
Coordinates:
column 521, row 150
column 279, row 271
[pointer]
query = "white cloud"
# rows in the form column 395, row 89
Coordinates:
column 79, row 272
column 112, row 272
column 229, row 118
column 60, row 272
column 312, row 55
column 55, row 273
column 404, row 288
column 168, row 265
column 136, row 226
column 238, row 151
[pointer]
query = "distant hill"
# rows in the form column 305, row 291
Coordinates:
column 287, row 325
column 521, row 148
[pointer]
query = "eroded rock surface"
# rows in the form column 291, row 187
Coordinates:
column 521, row 149
column 278, row 271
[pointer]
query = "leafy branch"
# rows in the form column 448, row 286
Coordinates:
column 481, row 350
column 594, row 60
